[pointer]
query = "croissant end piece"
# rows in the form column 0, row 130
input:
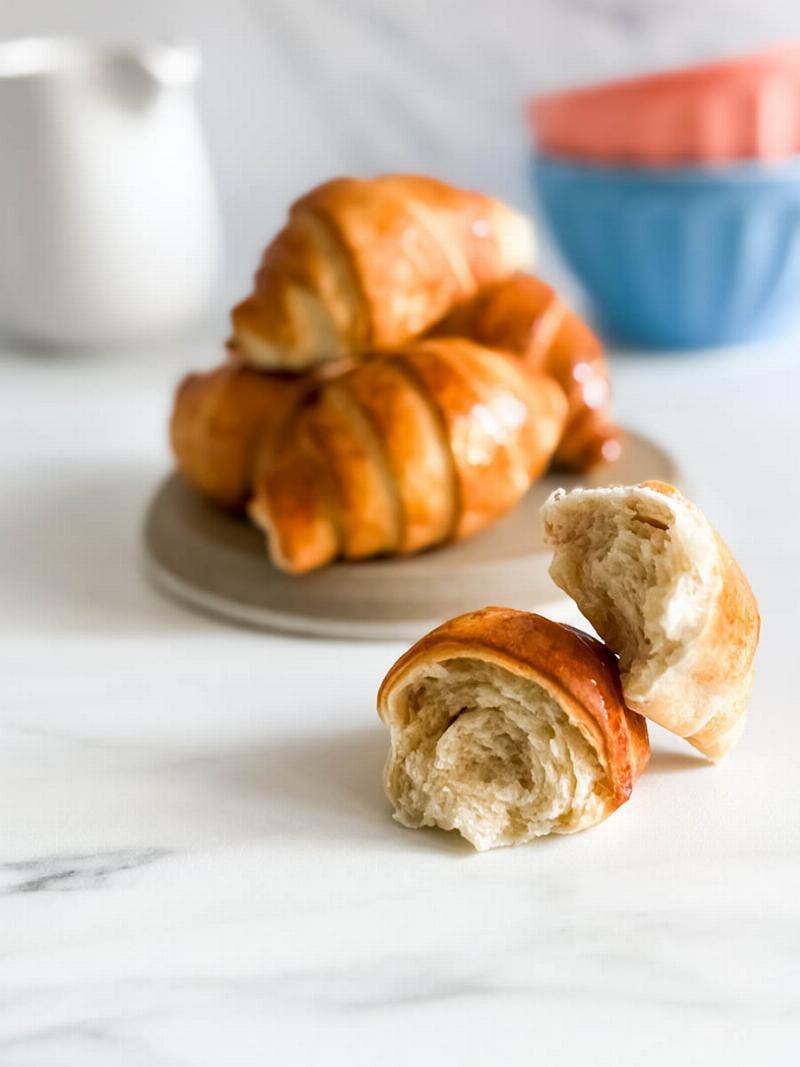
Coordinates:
column 523, row 315
column 662, row 589
column 222, row 420
column 227, row 424
column 369, row 264
column 407, row 450
column 506, row 726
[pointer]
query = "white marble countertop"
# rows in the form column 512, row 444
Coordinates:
column 197, row 863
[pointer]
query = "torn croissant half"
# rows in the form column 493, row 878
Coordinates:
column 662, row 589
column 366, row 264
column 506, row 726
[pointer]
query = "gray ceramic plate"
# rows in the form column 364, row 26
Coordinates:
column 218, row 564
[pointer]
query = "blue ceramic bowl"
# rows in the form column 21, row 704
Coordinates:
column 680, row 258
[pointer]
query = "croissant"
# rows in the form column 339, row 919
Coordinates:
column 506, row 726
column 423, row 445
column 368, row 264
column 226, row 423
column 524, row 315
column 662, row 589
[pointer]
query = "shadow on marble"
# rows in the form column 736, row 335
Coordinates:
column 331, row 785
column 74, row 540
column 675, row 762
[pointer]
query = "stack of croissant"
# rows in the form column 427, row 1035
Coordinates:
column 394, row 381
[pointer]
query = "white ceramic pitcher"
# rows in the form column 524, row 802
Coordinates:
column 108, row 219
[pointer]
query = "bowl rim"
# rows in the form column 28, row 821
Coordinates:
column 762, row 60
column 740, row 172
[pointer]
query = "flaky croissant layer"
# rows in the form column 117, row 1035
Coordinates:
column 506, row 727
column 426, row 444
column 662, row 589
column 492, row 756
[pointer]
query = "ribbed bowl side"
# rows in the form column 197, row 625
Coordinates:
column 676, row 260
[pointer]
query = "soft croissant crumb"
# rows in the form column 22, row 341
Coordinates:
column 644, row 572
column 506, row 726
column 492, row 756
column 662, row 590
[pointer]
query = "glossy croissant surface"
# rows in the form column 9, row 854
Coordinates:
column 426, row 444
column 506, row 726
column 369, row 264
column 523, row 315
column 227, row 421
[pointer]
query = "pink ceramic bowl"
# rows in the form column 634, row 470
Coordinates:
column 744, row 108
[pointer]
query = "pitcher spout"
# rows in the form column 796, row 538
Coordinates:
column 170, row 64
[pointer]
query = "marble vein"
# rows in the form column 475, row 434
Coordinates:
column 70, row 873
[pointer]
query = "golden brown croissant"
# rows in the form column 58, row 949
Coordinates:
column 227, row 422
column 368, row 264
column 525, row 316
column 506, row 726
column 426, row 444
column 661, row 588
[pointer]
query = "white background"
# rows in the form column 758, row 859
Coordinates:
column 197, row 866
column 298, row 90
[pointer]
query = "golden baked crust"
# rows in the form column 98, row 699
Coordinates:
column 578, row 672
column 415, row 446
column 223, row 420
column 502, row 423
column 506, row 727
column 523, row 315
column 473, row 430
column 369, row 264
